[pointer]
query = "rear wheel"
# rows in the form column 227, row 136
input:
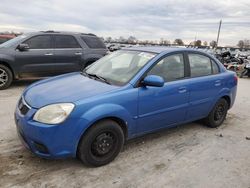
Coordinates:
column 101, row 144
column 6, row 77
column 218, row 114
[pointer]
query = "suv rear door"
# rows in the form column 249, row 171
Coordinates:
column 67, row 54
column 95, row 48
column 38, row 59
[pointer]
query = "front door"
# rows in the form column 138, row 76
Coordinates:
column 165, row 106
column 37, row 60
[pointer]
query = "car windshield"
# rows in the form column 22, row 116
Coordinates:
column 119, row 67
column 13, row 41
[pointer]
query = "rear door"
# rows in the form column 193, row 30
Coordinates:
column 67, row 54
column 204, row 84
column 38, row 59
column 95, row 48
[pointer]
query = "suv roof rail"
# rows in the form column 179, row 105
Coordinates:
column 50, row 31
column 91, row 34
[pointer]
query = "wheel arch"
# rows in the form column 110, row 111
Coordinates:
column 228, row 99
column 118, row 120
column 8, row 65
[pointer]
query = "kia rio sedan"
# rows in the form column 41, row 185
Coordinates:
column 126, row 94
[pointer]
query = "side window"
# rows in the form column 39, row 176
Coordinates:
column 93, row 42
column 66, row 41
column 199, row 65
column 39, row 42
column 215, row 68
column 169, row 68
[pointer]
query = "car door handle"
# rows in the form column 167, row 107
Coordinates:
column 78, row 53
column 182, row 90
column 217, row 83
column 48, row 54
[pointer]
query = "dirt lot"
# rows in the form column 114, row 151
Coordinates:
column 187, row 156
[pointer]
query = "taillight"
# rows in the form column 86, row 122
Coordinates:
column 236, row 79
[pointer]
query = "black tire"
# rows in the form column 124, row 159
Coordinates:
column 218, row 114
column 6, row 77
column 101, row 144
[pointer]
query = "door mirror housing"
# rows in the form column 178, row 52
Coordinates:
column 23, row 47
column 153, row 80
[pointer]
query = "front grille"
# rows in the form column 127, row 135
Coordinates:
column 23, row 107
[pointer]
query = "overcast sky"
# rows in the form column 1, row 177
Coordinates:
column 144, row 19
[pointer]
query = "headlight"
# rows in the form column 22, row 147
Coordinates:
column 54, row 113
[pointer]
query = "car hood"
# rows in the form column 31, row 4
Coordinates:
column 65, row 88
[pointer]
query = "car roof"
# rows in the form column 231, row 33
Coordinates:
column 159, row 49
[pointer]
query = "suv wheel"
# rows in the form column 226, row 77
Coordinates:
column 6, row 77
column 101, row 144
column 218, row 114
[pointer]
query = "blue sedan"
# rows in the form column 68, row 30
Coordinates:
column 126, row 94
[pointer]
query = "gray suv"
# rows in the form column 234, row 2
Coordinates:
column 47, row 53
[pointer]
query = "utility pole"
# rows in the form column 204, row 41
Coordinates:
column 218, row 35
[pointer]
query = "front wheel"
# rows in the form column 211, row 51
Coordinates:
column 218, row 114
column 6, row 77
column 101, row 144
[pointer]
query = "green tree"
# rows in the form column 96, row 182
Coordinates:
column 197, row 43
column 179, row 42
column 213, row 44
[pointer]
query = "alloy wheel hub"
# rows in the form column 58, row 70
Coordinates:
column 3, row 77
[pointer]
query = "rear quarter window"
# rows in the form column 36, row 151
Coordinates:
column 93, row 42
column 215, row 67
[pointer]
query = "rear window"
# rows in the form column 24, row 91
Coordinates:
column 93, row 42
column 66, row 41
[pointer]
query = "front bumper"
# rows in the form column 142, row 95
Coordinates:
column 48, row 141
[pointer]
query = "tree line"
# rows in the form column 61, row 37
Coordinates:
column 162, row 41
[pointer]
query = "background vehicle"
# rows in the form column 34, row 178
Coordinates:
column 47, row 53
column 246, row 71
column 126, row 94
column 4, row 38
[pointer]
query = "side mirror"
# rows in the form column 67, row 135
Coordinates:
column 153, row 80
column 23, row 47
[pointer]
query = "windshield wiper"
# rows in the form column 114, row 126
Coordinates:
column 96, row 76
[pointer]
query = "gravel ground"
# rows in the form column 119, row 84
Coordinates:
column 190, row 155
